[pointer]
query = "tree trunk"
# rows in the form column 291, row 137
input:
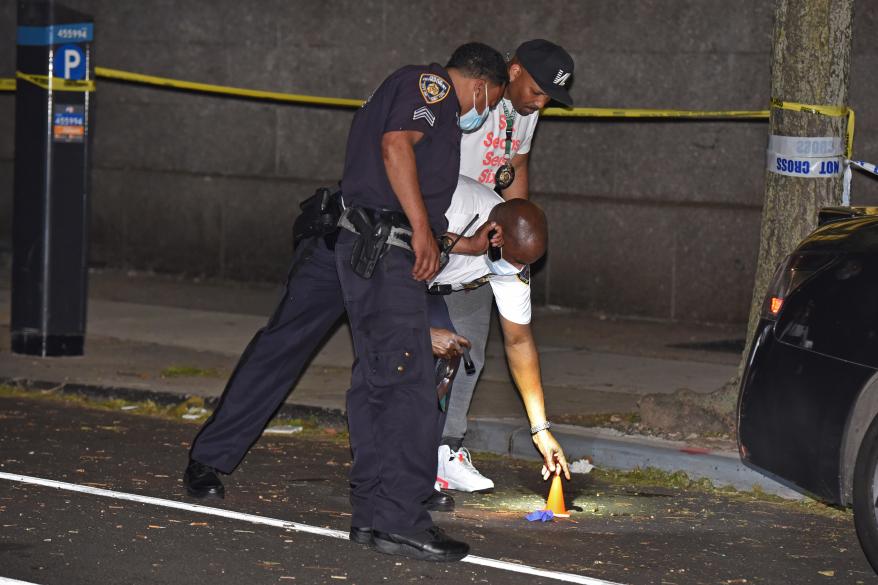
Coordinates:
column 811, row 63
column 811, row 58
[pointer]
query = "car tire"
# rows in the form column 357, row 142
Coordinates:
column 865, row 493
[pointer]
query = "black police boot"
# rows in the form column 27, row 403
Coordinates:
column 361, row 535
column 439, row 502
column 202, row 481
column 430, row 545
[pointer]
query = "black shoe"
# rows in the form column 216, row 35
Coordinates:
column 439, row 502
column 202, row 481
column 361, row 536
column 430, row 545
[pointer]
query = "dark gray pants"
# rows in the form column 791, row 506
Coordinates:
column 470, row 312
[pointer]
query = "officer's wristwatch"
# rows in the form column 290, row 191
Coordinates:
column 445, row 243
column 543, row 426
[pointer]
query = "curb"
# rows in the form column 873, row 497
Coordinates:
column 614, row 450
column 324, row 416
column 607, row 448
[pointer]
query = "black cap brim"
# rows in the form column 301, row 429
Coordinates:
column 559, row 94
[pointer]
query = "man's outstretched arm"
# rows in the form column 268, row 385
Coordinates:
column 524, row 363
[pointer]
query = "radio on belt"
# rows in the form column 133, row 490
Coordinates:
column 54, row 110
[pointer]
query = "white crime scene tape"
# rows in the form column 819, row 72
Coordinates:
column 813, row 157
column 864, row 166
column 806, row 156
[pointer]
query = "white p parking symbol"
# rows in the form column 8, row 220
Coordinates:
column 71, row 62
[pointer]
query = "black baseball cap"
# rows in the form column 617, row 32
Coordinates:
column 550, row 66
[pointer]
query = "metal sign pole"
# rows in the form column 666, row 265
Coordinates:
column 53, row 116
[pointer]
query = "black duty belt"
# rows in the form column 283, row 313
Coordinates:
column 394, row 218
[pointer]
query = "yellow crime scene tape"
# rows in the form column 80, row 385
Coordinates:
column 118, row 75
column 651, row 113
column 580, row 112
column 57, row 83
column 831, row 111
column 128, row 76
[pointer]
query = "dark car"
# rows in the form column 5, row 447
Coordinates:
column 808, row 408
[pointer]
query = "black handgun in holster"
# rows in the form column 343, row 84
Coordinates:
column 319, row 217
column 371, row 242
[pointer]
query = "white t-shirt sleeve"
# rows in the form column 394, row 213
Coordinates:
column 513, row 298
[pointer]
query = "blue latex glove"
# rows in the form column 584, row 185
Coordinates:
column 541, row 515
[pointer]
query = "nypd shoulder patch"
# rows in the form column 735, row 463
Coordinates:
column 433, row 88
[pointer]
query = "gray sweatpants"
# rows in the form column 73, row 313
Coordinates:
column 470, row 311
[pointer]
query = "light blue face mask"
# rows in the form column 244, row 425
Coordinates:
column 501, row 267
column 473, row 120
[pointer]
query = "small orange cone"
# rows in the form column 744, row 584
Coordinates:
column 555, row 502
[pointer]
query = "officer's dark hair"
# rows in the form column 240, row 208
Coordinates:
column 479, row 61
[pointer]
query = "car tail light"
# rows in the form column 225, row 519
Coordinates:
column 794, row 271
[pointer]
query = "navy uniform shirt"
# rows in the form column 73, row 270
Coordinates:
column 416, row 97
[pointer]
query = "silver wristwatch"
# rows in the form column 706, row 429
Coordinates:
column 543, row 426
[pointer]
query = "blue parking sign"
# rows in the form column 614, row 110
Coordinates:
column 70, row 62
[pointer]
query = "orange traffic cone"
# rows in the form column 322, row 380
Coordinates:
column 555, row 502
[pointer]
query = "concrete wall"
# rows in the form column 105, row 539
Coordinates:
column 654, row 219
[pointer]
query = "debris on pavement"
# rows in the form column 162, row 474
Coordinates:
column 581, row 466
column 283, row 430
column 195, row 412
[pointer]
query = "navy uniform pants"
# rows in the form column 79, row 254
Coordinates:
column 391, row 405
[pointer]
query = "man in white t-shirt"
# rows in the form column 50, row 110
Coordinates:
column 496, row 155
column 539, row 71
column 522, row 226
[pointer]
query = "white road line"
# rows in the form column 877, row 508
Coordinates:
column 285, row 524
column 5, row 581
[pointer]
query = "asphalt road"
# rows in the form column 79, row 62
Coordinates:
column 623, row 532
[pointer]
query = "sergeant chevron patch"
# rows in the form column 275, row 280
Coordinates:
column 433, row 87
column 424, row 113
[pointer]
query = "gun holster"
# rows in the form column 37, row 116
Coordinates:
column 371, row 241
column 319, row 217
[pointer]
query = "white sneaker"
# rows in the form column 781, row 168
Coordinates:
column 456, row 472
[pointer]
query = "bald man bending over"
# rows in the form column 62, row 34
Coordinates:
column 523, row 230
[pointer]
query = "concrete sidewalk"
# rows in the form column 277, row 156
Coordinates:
column 140, row 325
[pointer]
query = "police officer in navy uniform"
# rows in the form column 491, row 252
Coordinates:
column 401, row 168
